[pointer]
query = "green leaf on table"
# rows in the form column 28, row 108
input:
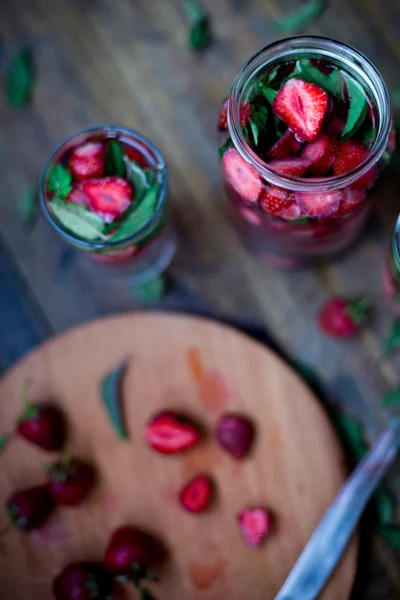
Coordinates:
column 357, row 110
column 59, row 181
column 391, row 398
column 351, row 431
column 152, row 291
column 4, row 439
column 302, row 17
column 385, row 504
column 199, row 23
column 28, row 205
column 20, row 79
column 141, row 179
column 392, row 341
column 111, row 395
column 138, row 217
column 391, row 533
column 396, row 98
column 225, row 146
column 78, row 220
column 115, row 159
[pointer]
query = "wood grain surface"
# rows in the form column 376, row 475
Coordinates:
column 127, row 62
column 202, row 369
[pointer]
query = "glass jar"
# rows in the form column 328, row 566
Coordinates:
column 391, row 271
column 293, row 238
column 146, row 252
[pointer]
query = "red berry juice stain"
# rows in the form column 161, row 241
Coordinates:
column 214, row 392
column 204, row 576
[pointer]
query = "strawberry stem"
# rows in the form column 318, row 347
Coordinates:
column 359, row 310
column 28, row 411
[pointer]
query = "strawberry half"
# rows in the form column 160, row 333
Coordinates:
column 241, row 176
column 169, row 432
column 275, row 201
column 87, row 161
column 295, row 167
column 350, row 155
column 78, row 196
column 352, row 200
column 284, row 147
column 303, row 107
column 109, row 197
column 292, row 213
column 223, row 116
column 321, row 204
column 255, row 524
column 196, row 495
column 321, row 154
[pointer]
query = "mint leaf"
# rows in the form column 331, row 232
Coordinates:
column 391, row 399
column 391, row 533
column 138, row 217
column 115, row 159
column 392, row 341
column 199, row 35
column 368, row 137
column 351, row 432
column 20, row 78
column 28, row 204
column 4, row 439
column 222, row 149
column 303, row 17
column 357, row 110
column 269, row 94
column 141, row 179
column 110, row 388
column 152, row 291
column 254, row 131
column 333, row 83
column 59, row 181
column 78, row 220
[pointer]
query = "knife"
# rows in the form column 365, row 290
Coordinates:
column 328, row 542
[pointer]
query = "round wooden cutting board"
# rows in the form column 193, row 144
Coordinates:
column 202, row 368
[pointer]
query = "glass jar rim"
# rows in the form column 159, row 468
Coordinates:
column 101, row 245
column 355, row 62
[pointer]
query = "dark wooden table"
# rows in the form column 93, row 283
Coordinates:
column 126, row 62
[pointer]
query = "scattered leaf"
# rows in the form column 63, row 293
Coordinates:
column 357, row 110
column 115, row 159
column 20, row 78
column 199, row 35
column 77, row 219
column 391, row 533
column 222, row 149
column 111, row 396
column 4, row 439
column 28, row 205
column 151, row 292
column 302, row 17
column 391, row 398
column 59, row 181
column 351, row 431
column 385, row 504
column 392, row 341
column 139, row 217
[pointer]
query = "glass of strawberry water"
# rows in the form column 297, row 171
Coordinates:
column 104, row 190
column 303, row 137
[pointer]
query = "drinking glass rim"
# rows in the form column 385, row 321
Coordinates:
column 369, row 74
column 161, row 168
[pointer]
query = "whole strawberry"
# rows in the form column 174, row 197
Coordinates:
column 235, row 434
column 70, row 481
column 83, row 581
column 344, row 317
column 129, row 555
column 29, row 509
column 43, row 425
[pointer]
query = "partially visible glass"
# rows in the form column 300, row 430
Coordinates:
column 142, row 256
column 391, row 271
column 294, row 239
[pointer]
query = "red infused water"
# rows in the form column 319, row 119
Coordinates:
column 303, row 138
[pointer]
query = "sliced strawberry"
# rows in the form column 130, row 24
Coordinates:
column 255, row 524
column 275, row 201
column 321, row 204
column 168, row 432
column 296, row 167
column 241, row 176
column 350, row 155
column 223, row 116
column 78, row 196
column 321, row 153
column 303, row 107
column 292, row 213
column 109, row 197
column 285, row 146
column 245, row 114
column 87, row 161
column 352, row 200
column 196, row 495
